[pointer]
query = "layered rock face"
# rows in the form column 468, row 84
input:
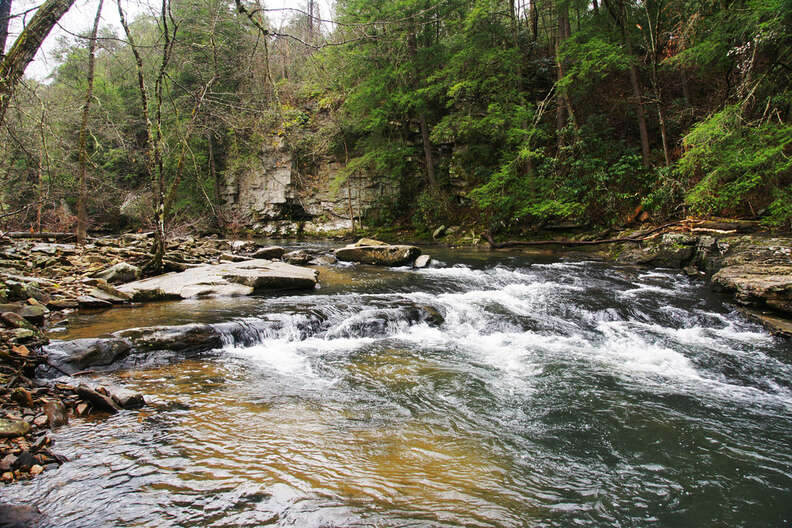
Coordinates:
column 272, row 197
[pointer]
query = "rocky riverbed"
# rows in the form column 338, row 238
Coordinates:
column 43, row 281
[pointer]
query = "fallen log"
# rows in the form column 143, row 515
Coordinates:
column 56, row 236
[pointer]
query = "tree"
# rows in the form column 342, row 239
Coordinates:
column 154, row 136
column 5, row 20
column 25, row 47
column 82, row 214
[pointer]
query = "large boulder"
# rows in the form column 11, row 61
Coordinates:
column 367, row 251
column 672, row 250
column 272, row 252
column 227, row 279
column 182, row 338
column 117, row 349
column 298, row 257
column 422, row 261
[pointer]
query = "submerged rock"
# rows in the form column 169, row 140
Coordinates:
column 368, row 251
column 56, row 413
column 76, row 355
column 107, row 353
column 227, row 279
column 100, row 401
column 19, row 516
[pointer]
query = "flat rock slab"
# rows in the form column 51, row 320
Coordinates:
column 222, row 280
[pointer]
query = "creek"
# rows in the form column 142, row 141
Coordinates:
column 491, row 390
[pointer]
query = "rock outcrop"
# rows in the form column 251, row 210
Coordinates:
column 271, row 196
column 758, row 285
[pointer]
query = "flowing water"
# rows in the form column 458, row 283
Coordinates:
column 488, row 390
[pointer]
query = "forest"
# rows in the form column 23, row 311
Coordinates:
column 509, row 115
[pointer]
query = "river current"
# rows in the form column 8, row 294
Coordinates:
column 490, row 390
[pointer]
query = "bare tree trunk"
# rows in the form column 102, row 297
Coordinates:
column 213, row 169
column 427, row 145
column 412, row 46
column 564, row 111
column 348, row 184
column 595, row 6
column 515, row 27
column 39, row 190
column 640, row 109
column 685, row 89
column 154, row 163
column 25, row 47
column 653, row 34
column 621, row 17
column 533, row 13
column 43, row 160
column 82, row 213
column 5, row 19
column 310, row 21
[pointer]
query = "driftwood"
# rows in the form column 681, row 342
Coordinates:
column 637, row 238
column 714, row 231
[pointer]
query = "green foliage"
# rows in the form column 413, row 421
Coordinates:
column 593, row 180
column 432, row 209
column 592, row 58
column 738, row 167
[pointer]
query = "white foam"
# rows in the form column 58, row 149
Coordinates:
column 280, row 355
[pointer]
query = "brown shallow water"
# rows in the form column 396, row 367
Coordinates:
column 554, row 393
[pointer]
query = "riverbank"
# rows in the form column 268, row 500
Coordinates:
column 44, row 281
column 754, row 270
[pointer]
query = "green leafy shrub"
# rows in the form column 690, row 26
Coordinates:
column 738, row 168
